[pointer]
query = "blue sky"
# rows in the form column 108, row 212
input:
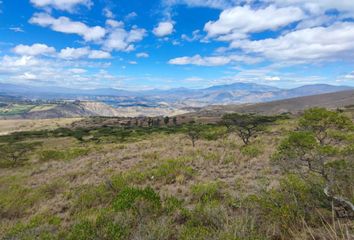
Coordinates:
column 147, row 44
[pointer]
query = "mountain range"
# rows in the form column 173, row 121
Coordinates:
column 178, row 97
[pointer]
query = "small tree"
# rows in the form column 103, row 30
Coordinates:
column 16, row 153
column 193, row 133
column 321, row 122
column 166, row 120
column 246, row 125
column 319, row 148
column 150, row 122
column 174, row 120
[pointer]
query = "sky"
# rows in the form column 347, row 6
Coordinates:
column 145, row 44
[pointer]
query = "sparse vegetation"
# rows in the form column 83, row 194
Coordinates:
column 145, row 180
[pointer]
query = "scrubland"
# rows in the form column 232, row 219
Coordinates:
column 113, row 182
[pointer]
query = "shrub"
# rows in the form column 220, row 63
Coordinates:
column 47, row 155
column 251, row 151
column 206, row 192
column 170, row 170
column 128, row 196
column 287, row 207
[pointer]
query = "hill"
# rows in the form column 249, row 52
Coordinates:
column 293, row 105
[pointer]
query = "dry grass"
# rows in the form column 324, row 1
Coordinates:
column 19, row 125
column 167, row 163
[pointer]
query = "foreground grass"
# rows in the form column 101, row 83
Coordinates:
column 107, row 183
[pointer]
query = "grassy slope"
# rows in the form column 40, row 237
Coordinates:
column 66, row 185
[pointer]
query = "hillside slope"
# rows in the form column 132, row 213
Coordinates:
column 293, row 105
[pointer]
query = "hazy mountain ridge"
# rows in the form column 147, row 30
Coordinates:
column 219, row 94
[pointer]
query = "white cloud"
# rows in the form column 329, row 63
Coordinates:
column 218, row 4
column 243, row 20
column 108, row 13
column 69, row 73
column 195, row 36
column 33, row 50
column 65, row 25
column 76, row 53
column 8, row 62
column 132, row 62
column 78, row 70
column 272, row 78
column 121, row 40
column 316, row 6
column 131, row 16
column 66, row 5
column 16, row 29
column 163, row 29
column 212, row 60
column 73, row 53
column 114, row 24
column 98, row 54
column 310, row 44
column 349, row 76
column 28, row 76
column 194, row 79
column 142, row 55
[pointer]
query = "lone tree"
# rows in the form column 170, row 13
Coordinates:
column 246, row 125
column 174, row 120
column 322, row 123
column 323, row 146
column 16, row 153
column 166, row 120
column 193, row 132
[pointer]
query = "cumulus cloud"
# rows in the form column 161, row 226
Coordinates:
column 66, row 5
column 212, row 60
column 218, row 4
column 70, row 73
column 317, row 44
column 317, row 7
column 163, row 29
column 65, row 25
column 33, row 50
column 195, row 36
column 108, row 13
column 122, row 40
column 85, row 52
column 243, row 20
column 142, row 55
column 78, row 70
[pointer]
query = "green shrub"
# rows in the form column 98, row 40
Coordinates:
column 170, row 170
column 47, row 155
column 128, row 197
column 206, row 192
column 289, row 205
column 92, row 196
column 251, row 151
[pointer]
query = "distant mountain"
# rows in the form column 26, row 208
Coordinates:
column 178, row 97
column 315, row 89
column 293, row 105
column 242, row 87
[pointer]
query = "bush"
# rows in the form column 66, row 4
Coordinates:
column 251, row 151
column 47, row 155
column 171, row 170
column 287, row 207
column 128, row 197
column 207, row 192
